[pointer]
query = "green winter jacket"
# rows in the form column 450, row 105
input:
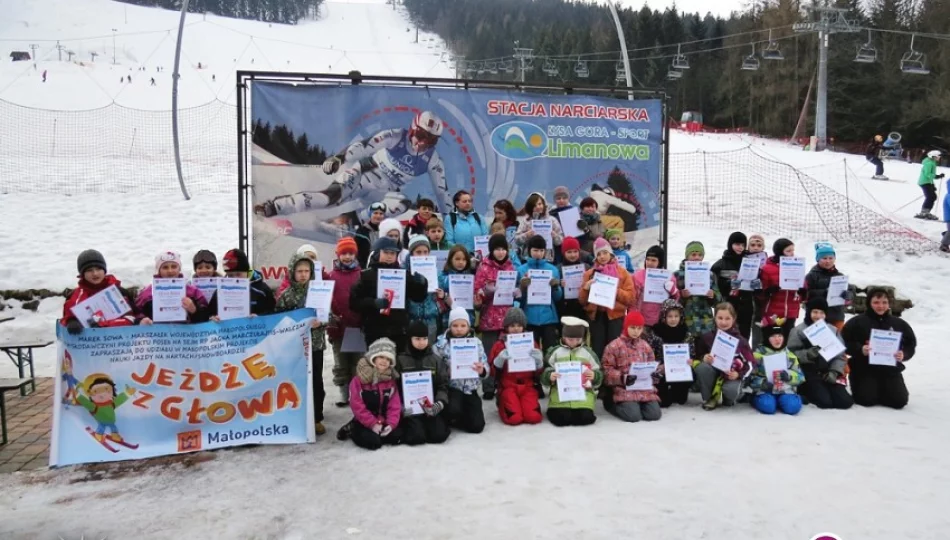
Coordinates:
column 928, row 171
column 104, row 414
column 582, row 354
column 698, row 310
column 295, row 297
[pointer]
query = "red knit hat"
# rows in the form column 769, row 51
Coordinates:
column 634, row 318
column 570, row 243
column 346, row 245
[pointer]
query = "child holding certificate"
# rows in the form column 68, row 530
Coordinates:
column 779, row 302
column 516, row 372
column 539, row 297
column 697, row 308
column 346, row 274
column 295, row 297
column 463, row 357
column 168, row 265
column 491, row 320
column 536, row 213
column 261, row 298
column 629, row 366
column 571, row 257
column 655, row 259
column 716, row 384
column 205, row 264
column 375, row 402
column 94, row 279
column 735, row 288
column 459, row 262
column 433, row 305
column 671, row 330
column 573, row 388
column 425, row 422
column 606, row 323
column 826, row 375
column 818, row 281
column 776, row 376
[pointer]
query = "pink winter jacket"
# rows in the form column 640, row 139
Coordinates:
column 651, row 311
column 492, row 316
column 618, row 356
column 385, row 394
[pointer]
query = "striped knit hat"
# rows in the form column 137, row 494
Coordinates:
column 381, row 347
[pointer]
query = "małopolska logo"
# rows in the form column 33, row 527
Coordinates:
column 519, row 141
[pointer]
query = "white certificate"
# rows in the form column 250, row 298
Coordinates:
column 317, row 271
column 573, row 281
column 207, row 285
column 603, row 292
column 822, row 336
column 428, row 268
column 463, row 354
column 543, row 228
column 654, row 285
column 416, row 389
column 723, row 351
column 519, row 348
column 569, row 218
column 622, row 261
column 392, row 279
column 462, row 290
column 677, row 363
column 105, row 305
column 774, row 362
column 319, row 297
column 791, row 273
column 505, row 284
column 761, row 256
column 234, row 298
column 481, row 246
column 167, row 296
column 353, row 341
column 837, row 287
column 749, row 269
column 696, row 277
column 570, row 384
column 441, row 256
column 539, row 291
column 644, row 372
column 884, row 345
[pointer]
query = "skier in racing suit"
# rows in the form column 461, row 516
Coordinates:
column 375, row 169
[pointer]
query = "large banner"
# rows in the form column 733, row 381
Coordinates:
column 321, row 155
column 143, row 391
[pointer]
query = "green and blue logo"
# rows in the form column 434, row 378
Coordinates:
column 519, row 141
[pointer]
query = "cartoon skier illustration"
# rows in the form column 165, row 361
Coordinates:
column 102, row 404
column 375, row 169
column 70, row 395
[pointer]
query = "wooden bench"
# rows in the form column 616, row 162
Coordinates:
column 22, row 355
column 9, row 384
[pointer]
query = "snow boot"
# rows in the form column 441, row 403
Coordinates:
column 945, row 249
column 879, row 177
column 265, row 209
column 711, row 403
column 319, row 428
column 344, row 432
column 344, row 397
column 927, row 215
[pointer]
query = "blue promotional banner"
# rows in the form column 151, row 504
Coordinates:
column 322, row 155
column 144, row 391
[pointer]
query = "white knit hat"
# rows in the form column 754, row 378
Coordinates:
column 459, row 314
column 382, row 347
column 390, row 224
column 307, row 248
column 166, row 256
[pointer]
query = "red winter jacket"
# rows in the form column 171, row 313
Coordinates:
column 785, row 304
column 492, row 317
column 85, row 289
column 503, row 376
column 340, row 304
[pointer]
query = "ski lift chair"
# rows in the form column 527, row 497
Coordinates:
column 772, row 50
column 493, row 68
column 751, row 63
column 867, row 54
column 550, row 68
column 914, row 62
column 581, row 69
column 679, row 61
column 674, row 75
column 507, row 66
column 621, row 72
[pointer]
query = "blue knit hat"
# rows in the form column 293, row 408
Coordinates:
column 385, row 243
column 823, row 249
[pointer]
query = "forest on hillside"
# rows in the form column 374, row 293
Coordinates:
column 278, row 11
column 863, row 98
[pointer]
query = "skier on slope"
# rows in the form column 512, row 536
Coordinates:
column 873, row 154
column 928, row 173
column 374, row 169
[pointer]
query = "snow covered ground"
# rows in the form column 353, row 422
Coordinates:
column 863, row 474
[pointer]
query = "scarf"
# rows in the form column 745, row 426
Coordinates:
column 671, row 334
column 609, row 269
column 368, row 373
column 352, row 266
column 591, row 219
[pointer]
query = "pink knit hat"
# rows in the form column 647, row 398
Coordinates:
column 602, row 245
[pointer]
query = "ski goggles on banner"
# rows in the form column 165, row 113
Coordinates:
column 424, row 137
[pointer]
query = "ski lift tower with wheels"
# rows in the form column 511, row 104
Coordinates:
column 826, row 21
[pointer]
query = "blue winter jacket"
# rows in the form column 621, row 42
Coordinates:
column 620, row 252
column 946, row 207
column 539, row 315
column 465, row 230
column 444, row 285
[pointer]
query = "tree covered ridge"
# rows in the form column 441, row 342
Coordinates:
column 279, row 11
column 863, row 99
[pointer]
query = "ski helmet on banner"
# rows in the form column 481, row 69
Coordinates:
column 426, row 129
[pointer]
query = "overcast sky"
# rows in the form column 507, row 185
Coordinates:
column 716, row 7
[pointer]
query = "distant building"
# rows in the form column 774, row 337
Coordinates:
column 20, row 56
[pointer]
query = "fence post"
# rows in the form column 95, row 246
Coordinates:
column 705, row 185
column 132, row 144
column 847, row 194
column 52, row 151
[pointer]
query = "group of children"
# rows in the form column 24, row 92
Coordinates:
column 620, row 349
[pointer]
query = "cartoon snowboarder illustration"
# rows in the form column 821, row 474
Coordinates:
column 374, row 169
column 102, row 404
column 70, row 395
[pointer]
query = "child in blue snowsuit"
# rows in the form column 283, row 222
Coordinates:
column 776, row 391
column 542, row 319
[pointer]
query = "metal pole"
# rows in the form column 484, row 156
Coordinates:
column 821, row 109
column 181, row 31
column 243, row 224
column 623, row 46
column 113, row 45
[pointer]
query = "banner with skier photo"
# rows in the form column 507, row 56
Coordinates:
column 143, row 391
column 323, row 158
